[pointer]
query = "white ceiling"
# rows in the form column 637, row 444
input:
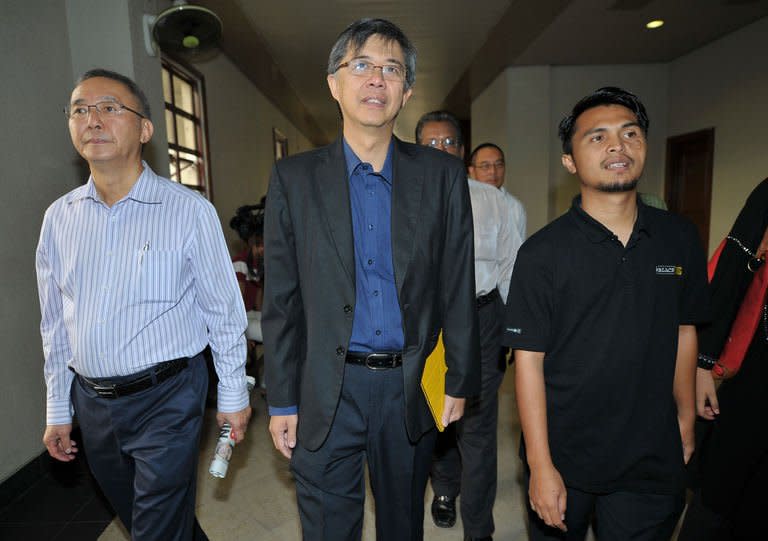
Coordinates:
column 283, row 45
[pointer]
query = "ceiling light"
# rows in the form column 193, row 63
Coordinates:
column 656, row 23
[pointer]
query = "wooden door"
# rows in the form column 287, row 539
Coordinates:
column 689, row 177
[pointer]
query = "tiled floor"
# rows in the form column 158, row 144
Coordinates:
column 64, row 505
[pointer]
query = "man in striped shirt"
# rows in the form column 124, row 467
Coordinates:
column 135, row 281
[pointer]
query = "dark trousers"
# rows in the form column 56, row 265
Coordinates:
column 369, row 425
column 465, row 457
column 618, row 516
column 143, row 448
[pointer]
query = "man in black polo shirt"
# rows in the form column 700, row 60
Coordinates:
column 601, row 313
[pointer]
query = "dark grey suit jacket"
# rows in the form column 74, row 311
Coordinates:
column 309, row 295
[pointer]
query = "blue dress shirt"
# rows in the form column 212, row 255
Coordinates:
column 378, row 323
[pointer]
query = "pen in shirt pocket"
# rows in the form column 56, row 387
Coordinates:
column 144, row 250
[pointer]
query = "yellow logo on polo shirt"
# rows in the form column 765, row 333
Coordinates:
column 669, row 270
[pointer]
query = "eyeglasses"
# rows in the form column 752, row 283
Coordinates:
column 362, row 68
column 108, row 109
column 487, row 166
column 444, row 142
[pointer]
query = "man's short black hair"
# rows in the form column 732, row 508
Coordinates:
column 480, row 147
column 607, row 95
column 356, row 34
column 439, row 116
column 127, row 82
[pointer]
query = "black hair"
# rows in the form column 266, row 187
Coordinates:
column 357, row 33
column 248, row 221
column 439, row 116
column 480, row 147
column 607, row 95
column 127, row 82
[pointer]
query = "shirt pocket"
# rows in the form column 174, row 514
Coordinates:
column 158, row 276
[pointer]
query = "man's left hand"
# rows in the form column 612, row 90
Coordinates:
column 238, row 420
column 453, row 409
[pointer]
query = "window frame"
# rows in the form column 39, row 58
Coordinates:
column 176, row 68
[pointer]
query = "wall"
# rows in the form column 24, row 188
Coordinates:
column 725, row 85
column 38, row 166
column 240, row 136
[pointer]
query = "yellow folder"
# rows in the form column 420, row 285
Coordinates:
column 433, row 381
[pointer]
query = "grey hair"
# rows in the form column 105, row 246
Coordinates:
column 439, row 116
column 357, row 33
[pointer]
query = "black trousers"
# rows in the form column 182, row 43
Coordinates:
column 369, row 426
column 143, row 448
column 618, row 516
column 465, row 458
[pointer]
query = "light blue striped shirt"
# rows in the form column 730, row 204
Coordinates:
column 123, row 288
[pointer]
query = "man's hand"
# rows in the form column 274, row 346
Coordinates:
column 283, row 430
column 706, row 395
column 453, row 409
column 238, row 420
column 56, row 440
column 547, row 494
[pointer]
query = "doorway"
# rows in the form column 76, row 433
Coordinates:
column 689, row 178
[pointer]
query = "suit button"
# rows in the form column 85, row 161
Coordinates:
column 339, row 351
column 347, row 308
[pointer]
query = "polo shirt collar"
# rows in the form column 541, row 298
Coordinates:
column 353, row 162
column 597, row 232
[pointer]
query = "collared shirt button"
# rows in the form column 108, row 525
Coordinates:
column 378, row 332
column 370, row 227
column 347, row 308
column 370, row 261
column 340, row 351
column 375, row 292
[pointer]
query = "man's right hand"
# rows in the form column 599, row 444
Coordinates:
column 283, row 430
column 547, row 494
column 56, row 440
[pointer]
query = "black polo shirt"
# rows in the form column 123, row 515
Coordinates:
column 607, row 318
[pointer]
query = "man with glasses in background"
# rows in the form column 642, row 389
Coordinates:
column 368, row 254
column 135, row 281
column 486, row 164
column 465, row 454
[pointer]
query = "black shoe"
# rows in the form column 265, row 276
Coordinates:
column 444, row 511
column 470, row 538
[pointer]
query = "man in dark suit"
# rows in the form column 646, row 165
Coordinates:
column 368, row 254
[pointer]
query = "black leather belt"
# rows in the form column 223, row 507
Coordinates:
column 482, row 300
column 375, row 361
column 106, row 388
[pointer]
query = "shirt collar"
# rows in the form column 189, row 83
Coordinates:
column 353, row 162
column 145, row 190
column 597, row 232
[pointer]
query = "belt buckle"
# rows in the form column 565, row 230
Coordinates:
column 371, row 356
column 106, row 391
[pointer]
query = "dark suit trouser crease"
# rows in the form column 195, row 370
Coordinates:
column 330, row 485
column 465, row 458
column 143, row 449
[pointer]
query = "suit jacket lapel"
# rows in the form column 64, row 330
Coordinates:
column 407, row 186
column 333, row 192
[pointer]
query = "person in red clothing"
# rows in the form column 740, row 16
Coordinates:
column 249, row 264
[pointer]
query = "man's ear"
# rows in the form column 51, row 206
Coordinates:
column 333, row 86
column 406, row 96
column 568, row 163
column 147, row 129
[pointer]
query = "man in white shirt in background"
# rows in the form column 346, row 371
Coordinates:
column 465, row 458
column 486, row 164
